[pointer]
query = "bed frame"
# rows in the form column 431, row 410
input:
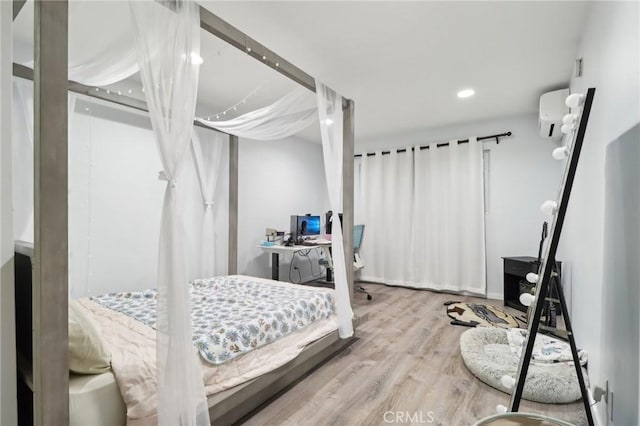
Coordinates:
column 232, row 405
column 226, row 407
column 42, row 308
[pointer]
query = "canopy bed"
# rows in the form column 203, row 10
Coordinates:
column 179, row 374
column 264, row 348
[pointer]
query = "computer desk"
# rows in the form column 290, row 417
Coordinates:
column 276, row 251
column 326, row 249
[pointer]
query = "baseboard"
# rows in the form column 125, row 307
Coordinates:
column 496, row 296
column 598, row 411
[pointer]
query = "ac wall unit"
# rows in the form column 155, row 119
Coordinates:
column 552, row 109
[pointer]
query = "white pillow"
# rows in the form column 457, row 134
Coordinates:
column 87, row 352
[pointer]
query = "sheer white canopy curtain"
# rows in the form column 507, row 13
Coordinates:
column 331, row 131
column 424, row 213
column 207, row 155
column 167, row 38
column 23, row 184
column 110, row 58
column 287, row 116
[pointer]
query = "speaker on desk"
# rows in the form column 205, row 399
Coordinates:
column 327, row 221
column 293, row 237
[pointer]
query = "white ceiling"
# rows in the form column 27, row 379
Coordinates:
column 402, row 62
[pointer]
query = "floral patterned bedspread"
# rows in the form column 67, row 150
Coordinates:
column 232, row 315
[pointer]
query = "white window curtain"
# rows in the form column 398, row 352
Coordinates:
column 424, row 213
column 207, row 155
column 287, row 116
column 330, row 116
column 387, row 181
column 167, row 39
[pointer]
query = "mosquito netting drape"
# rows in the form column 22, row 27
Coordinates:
column 95, row 61
column 207, row 152
column 330, row 115
column 287, row 116
column 22, row 154
column 168, row 41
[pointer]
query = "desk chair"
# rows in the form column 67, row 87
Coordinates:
column 327, row 262
column 358, row 231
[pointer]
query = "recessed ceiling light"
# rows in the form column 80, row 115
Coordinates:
column 466, row 93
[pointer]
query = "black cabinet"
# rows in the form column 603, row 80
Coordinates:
column 515, row 282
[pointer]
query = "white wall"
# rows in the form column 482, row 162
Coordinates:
column 115, row 202
column 610, row 50
column 620, row 296
column 277, row 179
column 23, row 160
column 522, row 176
column 115, row 151
column 8, row 414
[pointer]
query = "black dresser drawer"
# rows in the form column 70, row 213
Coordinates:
column 515, row 282
column 520, row 268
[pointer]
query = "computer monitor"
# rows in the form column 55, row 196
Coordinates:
column 302, row 226
column 308, row 225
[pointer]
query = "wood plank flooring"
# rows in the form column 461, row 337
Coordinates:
column 406, row 364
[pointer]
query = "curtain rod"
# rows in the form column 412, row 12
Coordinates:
column 497, row 137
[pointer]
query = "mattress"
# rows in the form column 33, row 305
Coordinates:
column 132, row 345
column 233, row 315
column 95, row 400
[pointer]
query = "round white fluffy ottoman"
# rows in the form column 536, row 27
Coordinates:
column 487, row 355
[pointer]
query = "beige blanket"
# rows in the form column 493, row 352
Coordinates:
column 133, row 359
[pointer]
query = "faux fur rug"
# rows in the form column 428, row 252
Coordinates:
column 487, row 355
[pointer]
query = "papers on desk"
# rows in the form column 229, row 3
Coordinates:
column 322, row 242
